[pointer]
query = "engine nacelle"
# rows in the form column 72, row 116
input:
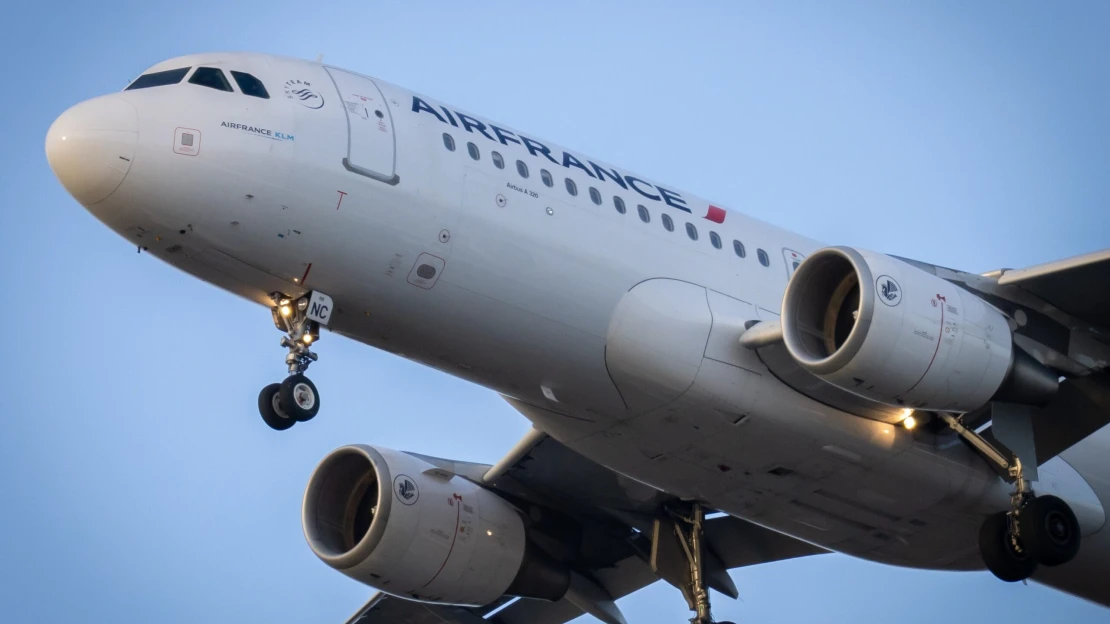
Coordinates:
column 888, row 331
column 408, row 528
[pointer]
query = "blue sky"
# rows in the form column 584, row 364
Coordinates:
column 138, row 483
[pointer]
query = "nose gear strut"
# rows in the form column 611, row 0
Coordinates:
column 295, row 399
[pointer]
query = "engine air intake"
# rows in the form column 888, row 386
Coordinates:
column 341, row 503
column 826, row 307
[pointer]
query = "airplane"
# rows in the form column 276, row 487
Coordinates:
column 707, row 391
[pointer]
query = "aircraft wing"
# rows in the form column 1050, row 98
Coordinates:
column 1074, row 285
column 616, row 515
column 383, row 608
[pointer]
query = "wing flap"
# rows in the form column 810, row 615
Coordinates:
column 385, row 609
column 739, row 543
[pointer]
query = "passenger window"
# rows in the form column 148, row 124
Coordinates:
column 472, row 149
column 572, row 188
column 158, row 79
column 738, row 247
column 498, row 161
column 449, row 142
column 250, row 85
column 522, row 168
column 595, row 196
column 545, row 175
column 764, row 259
column 619, row 204
column 691, row 231
column 714, row 239
column 645, row 216
column 210, row 77
column 668, row 223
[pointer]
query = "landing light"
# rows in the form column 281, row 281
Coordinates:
column 490, row 533
column 286, row 310
column 910, row 422
column 307, row 338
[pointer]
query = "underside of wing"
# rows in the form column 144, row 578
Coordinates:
column 1075, row 285
column 611, row 532
column 385, row 609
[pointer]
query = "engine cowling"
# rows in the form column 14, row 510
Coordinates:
column 888, row 331
column 408, row 528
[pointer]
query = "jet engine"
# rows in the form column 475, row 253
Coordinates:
column 888, row 331
column 408, row 528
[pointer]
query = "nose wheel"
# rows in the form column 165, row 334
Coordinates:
column 296, row 399
column 269, row 406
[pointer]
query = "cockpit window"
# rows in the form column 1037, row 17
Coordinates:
column 250, row 85
column 210, row 77
column 158, row 79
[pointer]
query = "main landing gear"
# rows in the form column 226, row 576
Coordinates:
column 688, row 528
column 296, row 399
column 1037, row 530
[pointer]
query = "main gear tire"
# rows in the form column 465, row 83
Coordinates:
column 1050, row 529
column 1008, row 561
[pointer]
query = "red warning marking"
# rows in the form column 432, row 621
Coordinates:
column 935, row 351
column 304, row 277
column 454, row 537
column 341, row 196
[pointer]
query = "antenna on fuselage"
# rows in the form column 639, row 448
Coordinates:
column 319, row 58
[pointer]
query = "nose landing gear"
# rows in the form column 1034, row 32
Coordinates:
column 296, row 399
column 1037, row 530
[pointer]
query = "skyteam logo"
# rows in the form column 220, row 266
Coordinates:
column 405, row 489
column 890, row 292
column 302, row 92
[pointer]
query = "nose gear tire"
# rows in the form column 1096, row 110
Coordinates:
column 1050, row 530
column 1003, row 559
column 269, row 408
column 299, row 398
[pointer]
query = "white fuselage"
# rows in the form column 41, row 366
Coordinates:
column 346, row 185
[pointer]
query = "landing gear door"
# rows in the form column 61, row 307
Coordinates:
column 371, row 144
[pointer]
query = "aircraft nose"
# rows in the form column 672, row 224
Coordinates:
column 90, row 147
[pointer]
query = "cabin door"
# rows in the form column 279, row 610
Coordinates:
column 371, row 143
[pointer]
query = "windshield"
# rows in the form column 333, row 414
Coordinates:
column 158, row 79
